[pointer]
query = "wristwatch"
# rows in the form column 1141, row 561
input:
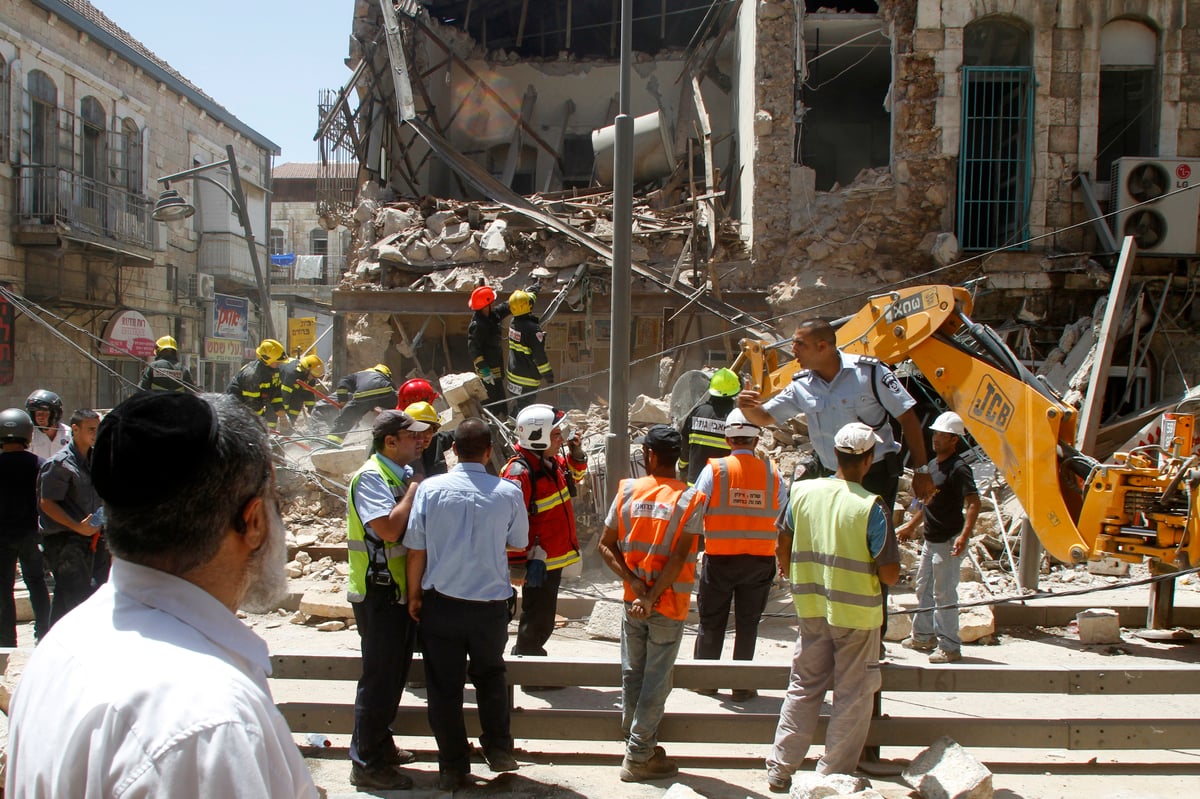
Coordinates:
column 926, row 469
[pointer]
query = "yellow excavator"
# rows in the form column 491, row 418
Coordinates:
column 1143, row 505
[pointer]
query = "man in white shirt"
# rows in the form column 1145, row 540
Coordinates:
column 153, row 687
column 49, row 433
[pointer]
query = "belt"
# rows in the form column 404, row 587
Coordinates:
column 481, row 602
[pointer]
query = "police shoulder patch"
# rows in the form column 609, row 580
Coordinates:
column 803, row 373
column 891, row 383
column 868, row 360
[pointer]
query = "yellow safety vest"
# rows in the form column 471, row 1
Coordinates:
column 363, row 546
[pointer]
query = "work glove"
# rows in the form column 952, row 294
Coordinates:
column 549, row 379
column 485, row 374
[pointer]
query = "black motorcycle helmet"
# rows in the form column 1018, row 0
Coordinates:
column 43, row 400
column 15, row 425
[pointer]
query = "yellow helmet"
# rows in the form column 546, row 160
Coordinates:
column 724, row 383
column 424, row 412
column 270, row 352
column 520, row 302
column 166, row 343
column 313, row 365
column 383, row 370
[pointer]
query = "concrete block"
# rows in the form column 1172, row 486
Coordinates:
column 899, row 624
column 459, row 389
column 811, row 785
column 648, row 410
column 319, row 602
column 331, row 626
column 947, row 771
column 605, row 622
column 976, row 623
column 1114, row 567
column 1098, row 626
column 339, row 462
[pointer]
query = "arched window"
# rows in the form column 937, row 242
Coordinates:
column 1129, row 99
column 997, row 135
column 318, row 241
column 278, row 242
column 43, row 114
column 131, row 156
column 92, row 146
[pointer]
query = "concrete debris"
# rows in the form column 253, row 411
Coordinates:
column 1109, row 566
column 899, row 624
column 1098, row 626
column 811, row 785
column 605, row 622
column 320, row 602
column 299, row 617
column 338, row 463
column 681, row 791
column 976, row 623
column 492, row 243
column 945, row 249
column 947, row 771
column 648, row 410
column 331, row 626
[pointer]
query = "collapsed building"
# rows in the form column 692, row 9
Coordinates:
column 793, row 158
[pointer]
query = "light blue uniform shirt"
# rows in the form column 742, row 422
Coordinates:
column 464, row 520
column 827, row 407
column 373, row 497
column 704, row 482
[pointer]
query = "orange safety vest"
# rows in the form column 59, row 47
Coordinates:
column 651, row 513
column 744, row 505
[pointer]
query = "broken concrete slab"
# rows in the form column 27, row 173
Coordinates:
column 492, row 242
column 605, row 622
column 899, row 624
column 320, row 602
column 947, row 771
column 331, row 626
column 811, row 785
column 339, row 462
column 461, row 387
column 1111, row 567
column 1098, row 626
column 456, row 231
column 976, row 623
column 436, row 222
column 648, row 410
column 390, row 221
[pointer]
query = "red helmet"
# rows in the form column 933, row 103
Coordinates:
column 415, row 390
column 482, row 297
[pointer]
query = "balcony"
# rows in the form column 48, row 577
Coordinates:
column 226, row 257
column 55, row 203
column 300, row 280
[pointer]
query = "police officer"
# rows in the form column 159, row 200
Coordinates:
column 361, row 392
column 257, row 383
column 483, row 345
column 528, row 364
column 164, row 372
column 703, row 430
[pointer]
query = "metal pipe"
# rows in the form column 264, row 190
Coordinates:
column 617, row 443
column 239, row 197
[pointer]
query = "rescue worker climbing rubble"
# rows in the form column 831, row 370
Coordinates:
column 296, row 377
column 528, row 365
column 164, row 372
column 361, row 392
column 483, row 345
column 547, row 480
column 257, row 383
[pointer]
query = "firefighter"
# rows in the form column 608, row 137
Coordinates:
column 483, row 345
column 257, row 383
column 527, row 362
column 547, row 480
column 164, row 372
column 296, row 377
column 361, row 392
column 703, row 430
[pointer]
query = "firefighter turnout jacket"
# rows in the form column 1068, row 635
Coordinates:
column 527, row 361
column 371, row 559
column 742, row 506
column 547, row 483
column 651, row 513
column 703, row 433
column 295, row 396
column 483, row 339
column 369, row 385
column 164, row 374
column 257, row 385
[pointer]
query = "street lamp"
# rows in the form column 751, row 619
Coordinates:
column 172, row 208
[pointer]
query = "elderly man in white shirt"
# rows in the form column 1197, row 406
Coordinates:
column 153, row 687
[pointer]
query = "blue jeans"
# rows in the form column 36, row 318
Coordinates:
column 648, row 651
column 937, row 584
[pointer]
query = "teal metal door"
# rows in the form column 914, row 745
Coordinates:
column 994, row 164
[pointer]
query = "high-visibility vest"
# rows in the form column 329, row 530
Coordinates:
column 651, row 513
column 364, row 548
column 833, row 574
column 741, row 514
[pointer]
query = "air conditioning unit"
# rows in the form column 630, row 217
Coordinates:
column 1166, row 227
column 202, row 287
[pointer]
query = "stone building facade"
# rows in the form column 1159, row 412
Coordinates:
column 89, row 119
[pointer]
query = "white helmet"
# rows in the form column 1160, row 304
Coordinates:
column 949, row 422
column 534, row 426
column 738, row 426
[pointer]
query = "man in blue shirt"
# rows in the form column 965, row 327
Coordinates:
column 458, row 589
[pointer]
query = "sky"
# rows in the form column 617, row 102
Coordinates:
column 264, row 60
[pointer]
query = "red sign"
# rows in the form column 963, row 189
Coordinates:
column 1183, row 171
column 128, row 333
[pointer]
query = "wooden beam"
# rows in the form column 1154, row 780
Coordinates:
column 1089, row 418
column 405, row 107
column 521, row 24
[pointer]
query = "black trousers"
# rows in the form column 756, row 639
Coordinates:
column 453, row 631
column 387, row 634
column 743, row 581
column 77, row 570
column 356, row 409
column 882, row 481
column 497, row 401
column 33, row 571
column 538, row 606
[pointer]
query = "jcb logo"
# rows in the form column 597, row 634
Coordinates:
column 915, row 304
column 991, row 406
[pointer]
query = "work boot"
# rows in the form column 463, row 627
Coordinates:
column 398, row 757
column 500, row 759
column 945, row 656
column 658, row 767
column 450, row 780
column 919, row 644
column 705, row 691
column 778, row 782
column 744, row 694
column 383, row 778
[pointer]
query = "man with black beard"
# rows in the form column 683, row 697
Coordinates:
column 153, row 686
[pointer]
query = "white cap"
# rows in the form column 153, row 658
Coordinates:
column 856, row 438
column 738, row 426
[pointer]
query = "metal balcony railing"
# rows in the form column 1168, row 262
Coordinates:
column 296, row 275
column 50, row 195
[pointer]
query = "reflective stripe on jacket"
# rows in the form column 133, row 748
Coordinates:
column 651, row 513
column 364, row 548
column 741, row 514
column 703, row 434
column 833, row 574
column 527, row 361
column 257, row 385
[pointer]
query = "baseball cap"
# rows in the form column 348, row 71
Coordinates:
column 856, row 438
column 662, row 438
column 389, row 423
